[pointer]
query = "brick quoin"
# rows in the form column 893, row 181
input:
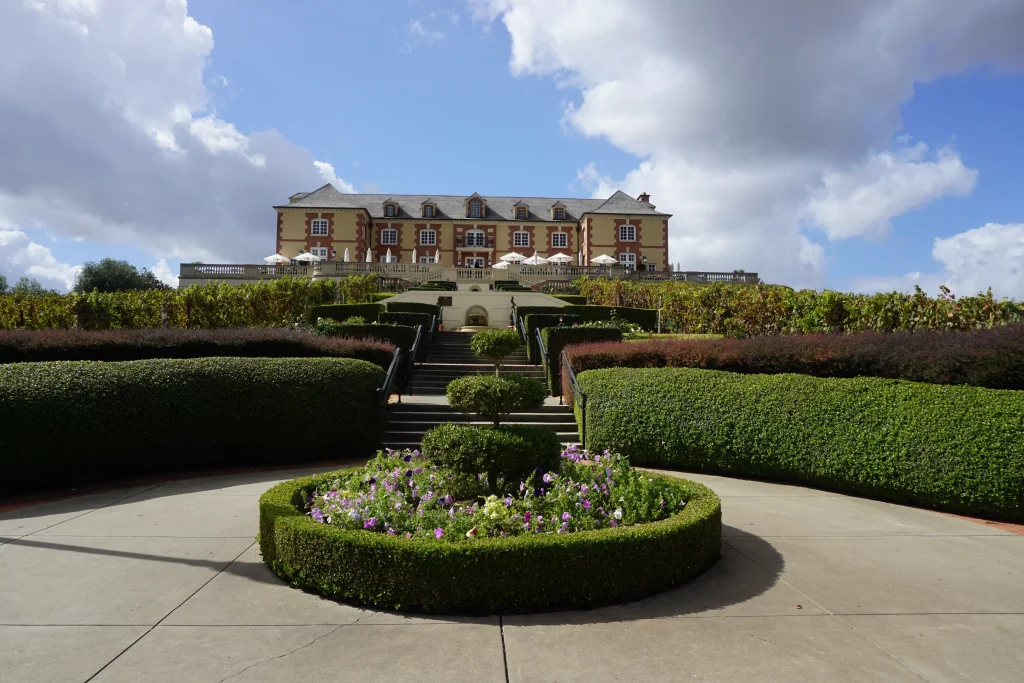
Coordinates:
column 568, row 249
column 633, row 247
column 381, row 250
column 588, row 238
column 360, row 236
column 525, row 251
column 664, row 241
column 319, row 240
column 280, row 232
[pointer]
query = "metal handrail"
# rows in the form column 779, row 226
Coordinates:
column 543, row 352
column 578, row 396
column 389, row 378
column 416, row 342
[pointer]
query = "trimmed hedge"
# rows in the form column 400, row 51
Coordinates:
column 992, row 358
column 31, row 346
column 413, row 307
column 493, row 397
column 557, row 338
column 412, row 320
column 538, row 321
column 954, row 448
column 342, row 312
column 525, row 573
column 572, row 299
column 69, row 422
column 402, row 336
column 646, row 318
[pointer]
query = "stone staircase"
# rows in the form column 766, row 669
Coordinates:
column 423, row 406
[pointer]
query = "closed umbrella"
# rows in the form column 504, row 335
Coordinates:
column 369, row 257
column 344, row 257
column 414, row 255
column 388, row 260
column 277, row 258
column 603, row 260
column 437, row 256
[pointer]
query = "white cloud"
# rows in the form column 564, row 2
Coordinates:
column 422, row 34
column 861, row 200
column 752, row 118
column 20, row 256
column 116, row 142
column 162, row 271
column 972, row 261
column 328, row 175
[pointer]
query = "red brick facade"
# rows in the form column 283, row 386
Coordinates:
column 280, row 232
column 664, row 240
column 361, row 236
column 381, row 250
column 627, row 246
column 569, row 246
column 525, row 251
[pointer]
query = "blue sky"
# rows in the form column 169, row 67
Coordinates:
column 857, row 148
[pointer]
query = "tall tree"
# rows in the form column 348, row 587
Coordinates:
column 110, row 275
column 3, row 284
column 27, row 285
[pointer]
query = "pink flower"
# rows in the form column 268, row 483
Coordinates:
column 586, row 504
column 438, row 533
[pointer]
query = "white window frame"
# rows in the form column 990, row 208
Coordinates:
column 390, row 211
column 559, row 214
column 384, row 259
column 627, row 229
column 520, row 213
column 475, row 259
column 427, row 259
column 319, row 227
column 476, row 209
column 475, row 238
column 564, row 240
column 432, row 242
column 651, row 268
column 517, row 242
column 627, row 259
column 322, row 252
column 428, row 211
column 389, row 232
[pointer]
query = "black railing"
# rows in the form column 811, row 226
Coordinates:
column 481, row 242
column 389, row 378
column 415, row 350
column 543, row 355
column 578, row 396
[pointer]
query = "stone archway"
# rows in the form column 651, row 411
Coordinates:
column 476, row 316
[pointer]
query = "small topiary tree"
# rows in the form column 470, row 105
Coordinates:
column 496, row 345
column 509, row 453
column 493, row 397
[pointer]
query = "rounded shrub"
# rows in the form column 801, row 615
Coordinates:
column 492, row 397
column 496, row 345
column 515, row 574
column 510, row 452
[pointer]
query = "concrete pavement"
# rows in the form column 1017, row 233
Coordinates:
column 164, row 583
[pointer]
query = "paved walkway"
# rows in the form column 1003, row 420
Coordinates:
column 165, row 583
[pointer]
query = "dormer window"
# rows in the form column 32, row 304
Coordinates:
column 559, row 214
column 558, row 211
column 428, row 211
column 390, row 210
column 476, row 209
column 520, row 213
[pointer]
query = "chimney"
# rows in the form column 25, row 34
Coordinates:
column 644, row 197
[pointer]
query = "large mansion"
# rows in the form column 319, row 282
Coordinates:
column 471, row 231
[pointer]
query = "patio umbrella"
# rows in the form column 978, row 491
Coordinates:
column 369, row 257
column 345, row 255
column 437, row 255
column 388, row 256
column 512, row 257
column 414, row 255
column 306, row 257
column 277, row 258
column 500, row 265
column 603, row 260
column 535, row 260
column 560, row 258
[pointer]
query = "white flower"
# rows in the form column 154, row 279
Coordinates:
column 618, row 513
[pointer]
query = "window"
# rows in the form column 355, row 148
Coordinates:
column 476, row 209
column 559, row 240
column 389, row 236
column 650, row 267
column 319, row 251
column 428, row 238
column 627, row 233
column 384, row 259
column 521, row 239
column 389, row 210
column 559, row 214
column 520, row 213
column 427, row 259
column 474, row 238
column 474, row 262
column 428, row 211
column 318, row 226
column 627, row 259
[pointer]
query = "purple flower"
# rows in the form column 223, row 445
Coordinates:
column 398, row 505
column 566, row 516
column 354, row 514
column 438, row 533
column 586, row 504
column 584, row 489
column 370, row 523
column 548, row 478
column 407, row 458
column 408, row 473
column 526, row 516
column 508, row 501
column 391, row 532
column 317, row 515
column 418, row 470
column 613, row 522
column 565, row 527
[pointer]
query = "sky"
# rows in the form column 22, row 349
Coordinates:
column 859, row 146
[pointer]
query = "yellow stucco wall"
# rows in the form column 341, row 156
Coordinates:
column 603, row 237
column 293, row 236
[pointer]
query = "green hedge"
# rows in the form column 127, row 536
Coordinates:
column 518, row 574
column 412, row 320
column 955, row 448
column 572, row 299
column 402, row 336
column 342, row 312
column 68, row 422
column 557, row 338
column 538, row 321
column 413, row 307
column 381, row 296
column 646, row 318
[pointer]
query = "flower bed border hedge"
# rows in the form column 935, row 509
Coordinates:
column 528, row 573
column 953, row 448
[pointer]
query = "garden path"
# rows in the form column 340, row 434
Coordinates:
column 163, row 582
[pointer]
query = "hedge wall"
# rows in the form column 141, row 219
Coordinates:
column 646, row 318
column 69, row 422
column 557, row 338
column 412, row 320
column 953, row 448
column 486, row 576
column 992, row 358
column 413, row 307
column 538, row 321
column 33, row 346
column 402, row 336
column 573, row 299
column 342, row 312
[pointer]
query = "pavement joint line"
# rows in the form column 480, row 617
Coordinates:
column 779, row 578
column 504, row 654
column 286, row 654
column 880, row 648
column 150, row 629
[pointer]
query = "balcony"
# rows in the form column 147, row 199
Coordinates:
column 470, row 242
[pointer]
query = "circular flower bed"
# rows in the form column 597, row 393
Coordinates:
column 400, row 533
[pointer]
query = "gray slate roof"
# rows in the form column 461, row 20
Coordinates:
column 454, row 207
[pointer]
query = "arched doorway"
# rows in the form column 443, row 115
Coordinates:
column 476, row 316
